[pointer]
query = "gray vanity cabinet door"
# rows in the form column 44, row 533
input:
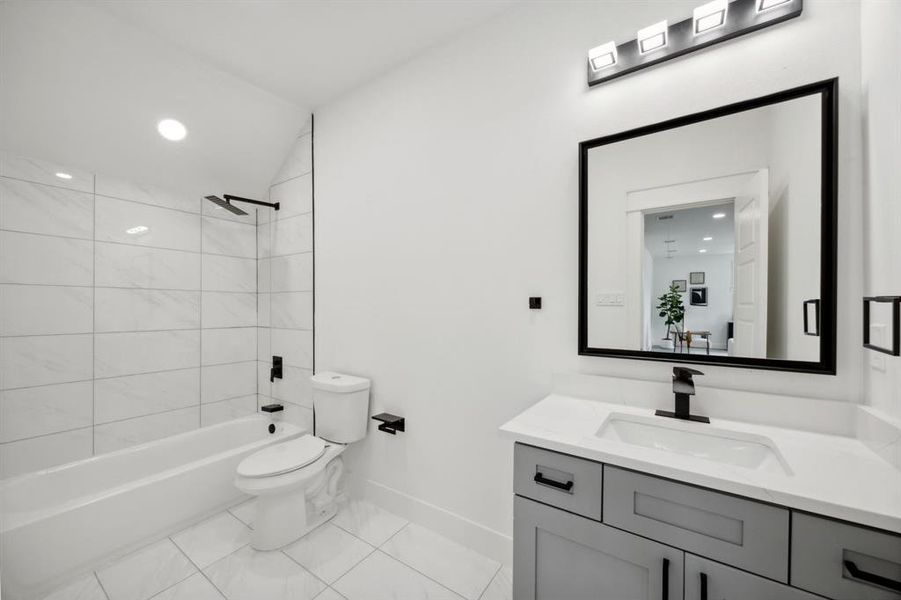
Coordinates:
column 561, row 556
column 727, row 583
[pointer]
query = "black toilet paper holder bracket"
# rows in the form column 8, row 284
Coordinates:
column 390, row 423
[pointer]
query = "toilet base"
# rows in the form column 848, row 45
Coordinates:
column 287, row 516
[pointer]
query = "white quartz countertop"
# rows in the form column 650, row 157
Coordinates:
column 832, row 475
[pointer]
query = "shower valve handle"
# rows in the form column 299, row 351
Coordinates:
column 275, row 372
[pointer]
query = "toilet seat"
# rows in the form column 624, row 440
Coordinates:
column 282, row 458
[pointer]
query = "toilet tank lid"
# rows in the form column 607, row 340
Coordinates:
column 338, row 382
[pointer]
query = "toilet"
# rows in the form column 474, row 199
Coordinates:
column 299, row 482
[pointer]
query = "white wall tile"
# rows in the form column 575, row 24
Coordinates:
column 264, row 275
column 229, row 238
column 228, row 345
column 145, row 310
column 122, row 434
column 294, row 387
column 226, row 410
column 229, row 309
column 149, row 194
column 45, row 209
column 220, row 382
column 264, row 343
column 264, row 310
column 42, row 360
column 41, row 259
column 121, row 265
column 131, row 396
column 292, row 310
column 294, row 196
column 292, row 235
column 295, row 346
column 45, row 309
column 118, row 354
column 298, row 161
column 42, row 171
column 30, row 412
column 229, row 274
column 292, row 273
column 45, row 451
column 166, row 228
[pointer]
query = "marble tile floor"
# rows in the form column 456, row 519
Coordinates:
column 364, row 553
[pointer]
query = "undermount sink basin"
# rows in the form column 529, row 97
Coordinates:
column 700, row 440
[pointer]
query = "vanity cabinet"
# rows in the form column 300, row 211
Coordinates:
column 708, row 580
column 562, row 556
column 584, row 530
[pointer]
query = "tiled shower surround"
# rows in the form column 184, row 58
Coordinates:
column 129, row 313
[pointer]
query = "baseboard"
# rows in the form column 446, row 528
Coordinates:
column 484, row 540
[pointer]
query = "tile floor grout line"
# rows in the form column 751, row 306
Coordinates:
column 100, row 583
column 490, row 581
column 414, row 569
column 193, row 564
column 372, row 549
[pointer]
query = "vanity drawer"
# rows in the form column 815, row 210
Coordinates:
column 825, row 553
column 567, row 482
column 750, row 535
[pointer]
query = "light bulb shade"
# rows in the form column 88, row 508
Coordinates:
column 652, row 37
column 603, row 56
column 172, row 130
column 763, row 5
column 710, row 16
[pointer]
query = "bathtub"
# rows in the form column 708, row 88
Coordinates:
column 63, row 520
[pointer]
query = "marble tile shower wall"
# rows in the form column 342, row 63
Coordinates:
column 286, row 285
column 128, row 313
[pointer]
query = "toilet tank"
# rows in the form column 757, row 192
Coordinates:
column 341, row 403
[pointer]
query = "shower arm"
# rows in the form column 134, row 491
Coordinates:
column 229, row 197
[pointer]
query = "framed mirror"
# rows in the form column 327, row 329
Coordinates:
column 740, row 202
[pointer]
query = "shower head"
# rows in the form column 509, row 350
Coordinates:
column 225, row 204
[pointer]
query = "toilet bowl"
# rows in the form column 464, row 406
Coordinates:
column 298, row 483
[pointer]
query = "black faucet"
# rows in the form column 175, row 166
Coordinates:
column 683, row 388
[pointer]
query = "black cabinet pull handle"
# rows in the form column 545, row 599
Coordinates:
column 566, row 487
column 703, row 586
column 872, row 577
column 665, row 579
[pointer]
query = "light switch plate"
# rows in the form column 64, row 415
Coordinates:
column 609, row 299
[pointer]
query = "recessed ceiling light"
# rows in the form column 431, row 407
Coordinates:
column 763, row 5
column 719, row 215
column 702, row 250
column 62, row 175
column 602, row 56
column 652, row 37
column 172, row 130
column 710, row 16
column 708, row 238
column 137, row 230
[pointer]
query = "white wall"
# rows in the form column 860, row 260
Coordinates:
column 446, row 195
column 714, row 317
column 880, row 24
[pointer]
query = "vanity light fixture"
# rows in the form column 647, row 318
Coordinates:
column 603, row 56
column 763, row 5
column 708, row 238
column 719, row 215
column 712, row 22
column 710, row 16
column 172, row 130
column 62, row 175
column 652, row 37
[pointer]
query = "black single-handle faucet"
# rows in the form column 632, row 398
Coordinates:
column 684, row 389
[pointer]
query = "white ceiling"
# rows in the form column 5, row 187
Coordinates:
column 687, row 230
column 306, row 51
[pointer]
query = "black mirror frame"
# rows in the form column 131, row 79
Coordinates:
column 828, row 234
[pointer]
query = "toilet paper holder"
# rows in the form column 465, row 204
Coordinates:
column 390, row 423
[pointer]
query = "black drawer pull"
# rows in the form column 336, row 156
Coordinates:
column 703, row 586
column 872, row 577
column 665, row 594
column 541, row 479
